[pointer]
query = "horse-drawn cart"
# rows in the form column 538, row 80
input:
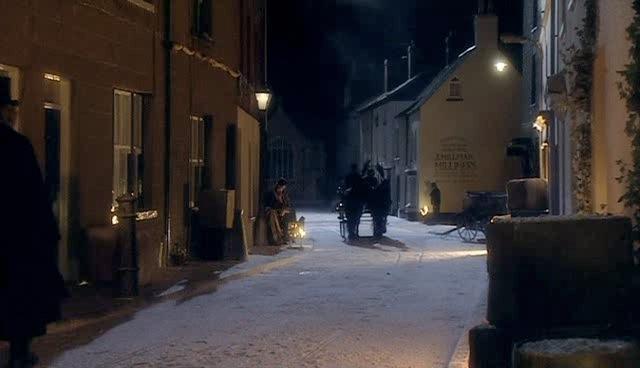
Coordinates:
column 478, row 210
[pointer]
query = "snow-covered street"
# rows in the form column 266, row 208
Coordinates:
column 402, row 303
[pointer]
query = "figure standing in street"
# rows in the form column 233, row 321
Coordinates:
column 436, row 198
column 380, row 203
column 31, row 286
column 370, row 185
column 354, row 201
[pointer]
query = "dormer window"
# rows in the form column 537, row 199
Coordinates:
column 455, row 90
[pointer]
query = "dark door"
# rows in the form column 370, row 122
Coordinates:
column 52, row 156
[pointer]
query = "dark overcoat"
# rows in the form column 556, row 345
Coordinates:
column 31, row 287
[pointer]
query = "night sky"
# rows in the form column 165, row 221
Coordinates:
column 317, row 47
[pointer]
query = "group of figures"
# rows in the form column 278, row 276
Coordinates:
column 366, row 191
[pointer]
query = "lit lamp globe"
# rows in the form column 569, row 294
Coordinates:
column 501, row 66
column 263, row 98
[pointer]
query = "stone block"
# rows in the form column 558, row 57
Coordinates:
column 489, row 347
column 559, row 271
column 577, row 353
column 528, row 194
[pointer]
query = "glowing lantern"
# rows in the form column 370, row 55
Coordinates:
column 263, row 98
column 501, row 66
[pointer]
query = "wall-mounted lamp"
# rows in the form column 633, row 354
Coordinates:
column 501, row 66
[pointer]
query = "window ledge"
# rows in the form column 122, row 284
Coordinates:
column 146, row 215
column 204, row 38
column 144, row 5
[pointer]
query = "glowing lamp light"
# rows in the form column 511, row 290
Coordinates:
column 424, row 211
column 539, row 123
column 114, row 217
column 263, row 98
column 296, row 230
column 501, row 66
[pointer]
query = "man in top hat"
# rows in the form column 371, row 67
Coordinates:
column 31, row 286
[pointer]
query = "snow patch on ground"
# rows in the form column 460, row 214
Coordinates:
column 556, row 347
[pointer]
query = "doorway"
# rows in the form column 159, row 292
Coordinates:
column 57, row 161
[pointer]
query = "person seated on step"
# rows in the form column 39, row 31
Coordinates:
column 278, row 213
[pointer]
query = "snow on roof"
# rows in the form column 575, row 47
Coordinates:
column 407, row 91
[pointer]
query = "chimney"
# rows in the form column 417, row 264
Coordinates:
column 447, row 50
column 386, row 75
column 409, row 61
column 486, row 26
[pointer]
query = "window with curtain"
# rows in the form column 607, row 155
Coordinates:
column 128, row 150
column 203, row 18
column 196, row 160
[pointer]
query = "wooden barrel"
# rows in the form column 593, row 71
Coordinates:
column 528, row 194
column 577, row 353
column 558, row 271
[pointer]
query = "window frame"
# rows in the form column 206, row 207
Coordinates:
column 535, row 20
column 134, row 144
column 196, row 160
column 533, row 101
column 201, row 21
column 455, row 90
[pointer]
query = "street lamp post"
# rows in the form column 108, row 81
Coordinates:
column 264, row 99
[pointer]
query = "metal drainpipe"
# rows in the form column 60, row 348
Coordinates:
column 168, row 44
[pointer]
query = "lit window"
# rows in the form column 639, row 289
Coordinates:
column 128, row 159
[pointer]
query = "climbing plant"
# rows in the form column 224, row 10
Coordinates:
column 630, row 92
column 580, row 61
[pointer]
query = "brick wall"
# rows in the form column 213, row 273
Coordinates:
column 99, row 46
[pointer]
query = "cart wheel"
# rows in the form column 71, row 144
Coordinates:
column 468, row 233
column 467, row 229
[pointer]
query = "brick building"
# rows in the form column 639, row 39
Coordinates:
column 151, row 96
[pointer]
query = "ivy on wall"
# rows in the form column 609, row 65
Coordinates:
column 630, row 92
column 580, row 62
